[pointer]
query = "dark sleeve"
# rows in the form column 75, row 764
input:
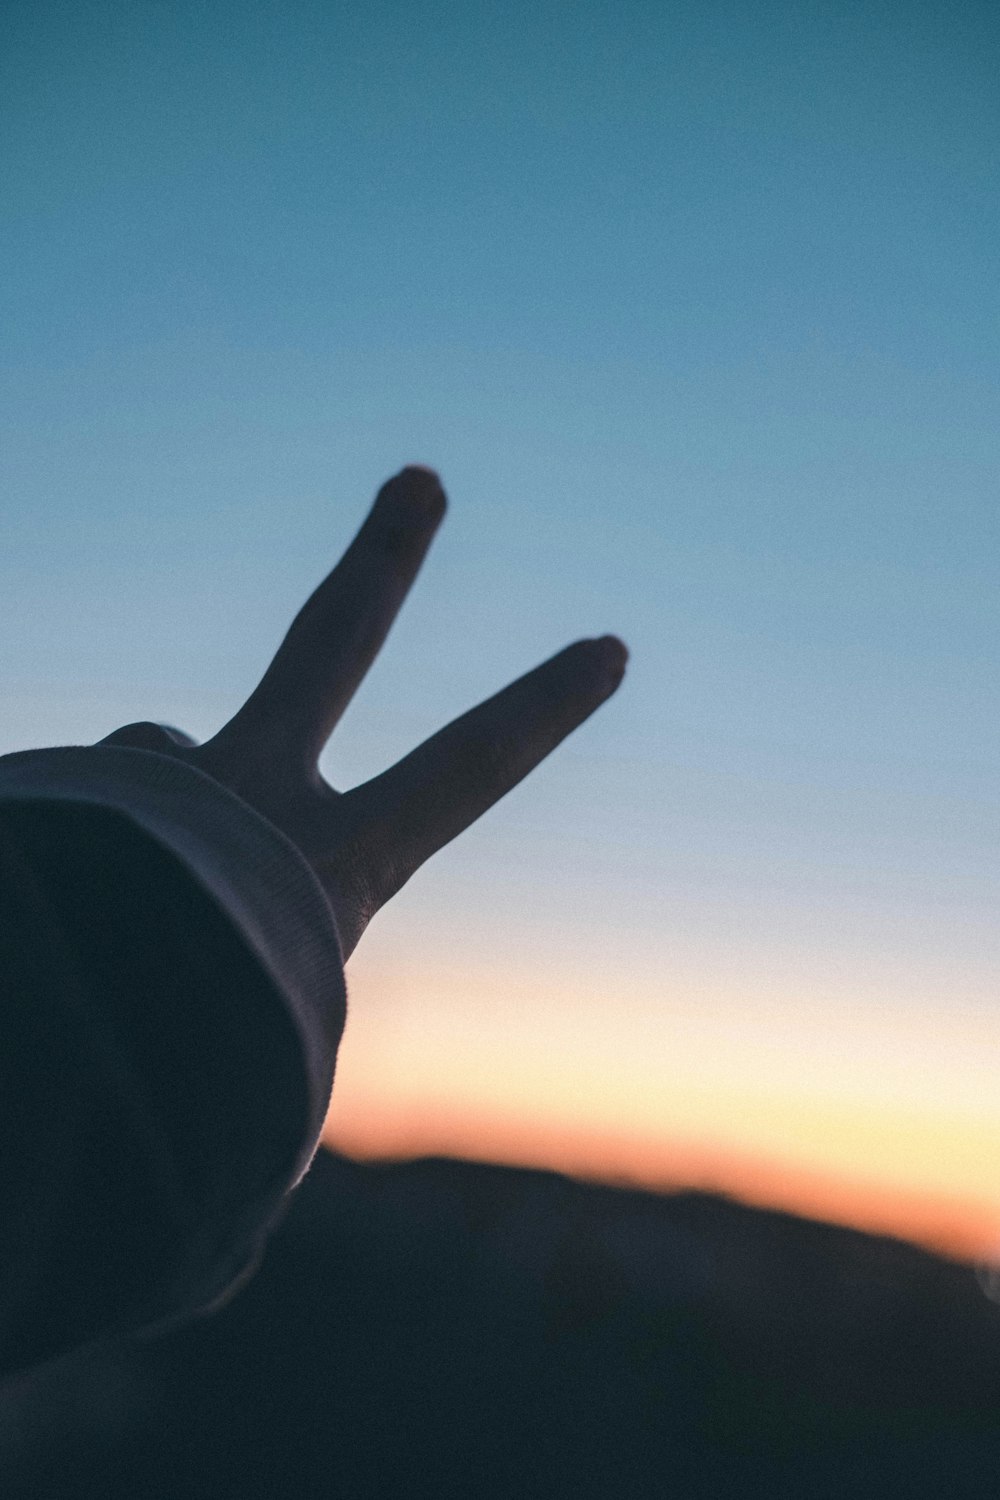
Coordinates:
column 171, row 999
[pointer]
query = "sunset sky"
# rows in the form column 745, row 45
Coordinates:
column 695, row 308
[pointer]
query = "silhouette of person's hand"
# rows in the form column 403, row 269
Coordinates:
column 365, row 843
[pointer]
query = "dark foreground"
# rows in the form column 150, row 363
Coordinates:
column 443, row 1329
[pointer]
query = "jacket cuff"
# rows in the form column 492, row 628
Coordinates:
column 247, row 867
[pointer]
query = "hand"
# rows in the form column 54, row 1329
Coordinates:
column 366, row 843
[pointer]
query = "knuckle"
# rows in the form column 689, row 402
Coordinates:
column 142, row 735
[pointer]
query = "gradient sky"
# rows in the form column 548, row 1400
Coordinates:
column 695, row 308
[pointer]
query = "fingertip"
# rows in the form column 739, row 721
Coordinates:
column 420, row 489
column 608, row 656
column 597, row 666
column 423, row 470
column 408, row 509
column 614, row 651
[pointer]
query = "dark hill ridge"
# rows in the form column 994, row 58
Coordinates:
column 443, row 1328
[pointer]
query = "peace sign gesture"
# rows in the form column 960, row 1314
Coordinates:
column 365, row 843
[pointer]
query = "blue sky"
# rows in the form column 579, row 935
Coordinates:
column 694, row 306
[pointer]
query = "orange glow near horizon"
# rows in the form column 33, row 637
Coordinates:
column 965, row 1228
column 879, row 1127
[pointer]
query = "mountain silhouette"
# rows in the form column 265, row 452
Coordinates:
column 443, row 1328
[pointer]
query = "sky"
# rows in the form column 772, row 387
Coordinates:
column 694, row 306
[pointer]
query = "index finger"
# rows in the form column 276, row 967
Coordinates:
column 337, row 633
column 410, row 811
